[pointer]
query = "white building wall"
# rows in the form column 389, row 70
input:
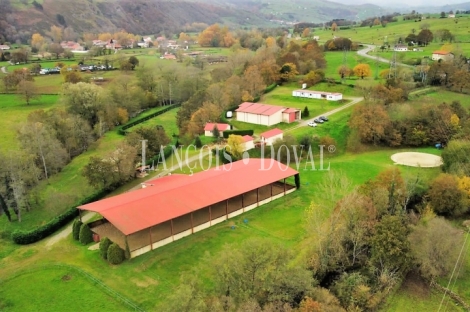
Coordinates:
column 248, row 145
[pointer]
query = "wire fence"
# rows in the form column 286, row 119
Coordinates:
column 95, row 281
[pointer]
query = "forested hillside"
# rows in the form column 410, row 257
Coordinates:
column 20, row 21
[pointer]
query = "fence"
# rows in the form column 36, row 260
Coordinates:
column 123, row 128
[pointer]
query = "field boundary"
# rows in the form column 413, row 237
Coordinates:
column 90, row 278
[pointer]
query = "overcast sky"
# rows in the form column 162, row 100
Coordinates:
column 396, row 3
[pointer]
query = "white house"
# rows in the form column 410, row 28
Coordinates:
column 400, row 48
column 316, row 38
column 451, row 16
column 209, row 128
column 442, row 55
column 330, row 96
column 267, row 115
column 4, row 47
column 270, row 136
column 248, row 142
column 143, row 44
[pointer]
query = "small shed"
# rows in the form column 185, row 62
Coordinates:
column 272, row 135
column 209, row 128
column 248, row 142
column 291, row 115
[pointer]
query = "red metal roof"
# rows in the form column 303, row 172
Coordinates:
column 220, row 126
column 290, row 110
column 247, row 138
column 441, row 52
column 259, row 109
column 176, row 195
column 271, row 133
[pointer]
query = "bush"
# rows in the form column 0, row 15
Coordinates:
column 197, row 142
column 227, row 133
column 31, row 236
column 115, row 254
column 86, row 235
column 76, row 229
column 104, row 245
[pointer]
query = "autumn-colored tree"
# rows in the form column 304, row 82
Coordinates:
column 246, row 96
column 370, row 121
column 56, row 49
column 27, row 90
column 334, row 27
column 306, row 33
column 37, row 41
column 362, row 70
column 209, row 112
column 184, row 37
column 314, row 77
column 56, row 33
column 344, row 71
column 270, row 42
column 376, row 22
column 215, row 36
column 123, row 115
column 310, row 305
column 254, row 82
column 288, row 72
column 105, row 36
column 446, row 197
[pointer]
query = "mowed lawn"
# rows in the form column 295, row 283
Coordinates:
column 167, row 120
column 14, row 111
column 68, row 289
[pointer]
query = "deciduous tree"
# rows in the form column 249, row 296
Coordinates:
column 446, row 197
column 362, row 70
column 27, row 91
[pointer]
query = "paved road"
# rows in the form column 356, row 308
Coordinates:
column 354, row 100
column 370, row 47
column 65, row 232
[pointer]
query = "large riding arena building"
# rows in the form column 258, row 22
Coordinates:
column 174, row 206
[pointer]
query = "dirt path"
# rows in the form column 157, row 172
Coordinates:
column 65, row 232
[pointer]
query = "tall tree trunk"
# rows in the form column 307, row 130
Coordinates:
column 4, row 206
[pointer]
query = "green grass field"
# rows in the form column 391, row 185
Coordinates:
column 14, row 111
column 71, row 292
column 158, row 272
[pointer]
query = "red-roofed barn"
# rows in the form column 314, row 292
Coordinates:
column 176, row 206
column 267, row 115
column 272, row 135
column 209, row 128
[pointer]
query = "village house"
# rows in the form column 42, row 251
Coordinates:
column 72, row 45
column 270, row 136
column 400, row 48
column 442, row 55
column 267, row 115
column 4, row 47
column 209, row 129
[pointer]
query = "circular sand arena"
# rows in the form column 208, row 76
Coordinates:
column 413, row 159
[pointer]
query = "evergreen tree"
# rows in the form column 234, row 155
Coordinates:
column 306, row 113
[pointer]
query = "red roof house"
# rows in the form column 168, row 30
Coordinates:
column 209, row 128
column 442, row 55
column 270, row 136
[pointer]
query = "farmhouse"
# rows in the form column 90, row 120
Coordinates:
column 209, row 128
column 318, row 95
column 442, row 55
column 270, row 136
column 248, row 142
column 264, row 114
column 400, row 48
column 175, row 206
column 72, row 45
column 4, row 47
